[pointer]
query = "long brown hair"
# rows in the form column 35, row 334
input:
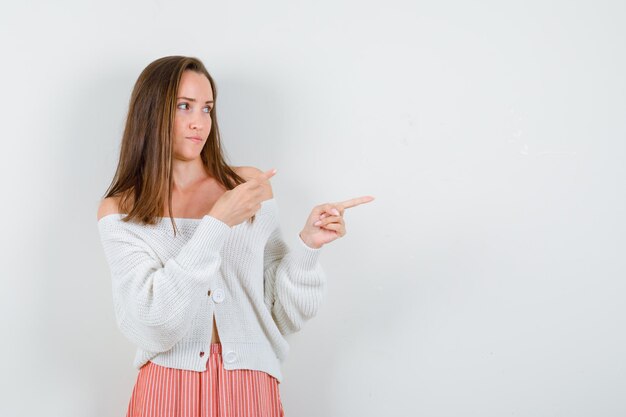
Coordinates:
column 143, row 177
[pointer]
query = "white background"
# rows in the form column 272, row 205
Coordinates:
column 486, row 279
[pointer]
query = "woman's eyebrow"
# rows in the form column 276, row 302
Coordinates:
column 193, row 99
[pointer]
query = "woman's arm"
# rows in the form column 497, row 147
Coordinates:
column 155, row 303
column 294, row 282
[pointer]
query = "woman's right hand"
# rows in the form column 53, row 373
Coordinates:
column 242, row 202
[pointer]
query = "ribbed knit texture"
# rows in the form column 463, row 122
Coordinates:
column 260, row 289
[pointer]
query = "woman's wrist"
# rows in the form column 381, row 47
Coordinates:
column 307, row 241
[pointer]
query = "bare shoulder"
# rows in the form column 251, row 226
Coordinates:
column 109, row 205
column 250, row 172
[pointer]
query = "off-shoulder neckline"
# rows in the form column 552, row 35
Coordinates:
column 177, row 219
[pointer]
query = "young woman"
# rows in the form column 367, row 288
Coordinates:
column 203, row 283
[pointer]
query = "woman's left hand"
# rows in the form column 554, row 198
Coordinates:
column 325, row 223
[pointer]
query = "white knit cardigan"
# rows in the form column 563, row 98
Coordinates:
column 166, row 289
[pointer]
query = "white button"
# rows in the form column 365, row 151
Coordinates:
column 218, row 295
column 230, row 357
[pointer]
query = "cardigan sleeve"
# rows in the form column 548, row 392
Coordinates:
column 294, row 282
column 155, row 302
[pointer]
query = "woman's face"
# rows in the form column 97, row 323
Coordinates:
column 192, row 121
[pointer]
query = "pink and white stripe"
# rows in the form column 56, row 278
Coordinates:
column 216, row 392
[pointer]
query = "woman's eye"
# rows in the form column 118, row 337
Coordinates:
column 183, row 104
column 207, row 109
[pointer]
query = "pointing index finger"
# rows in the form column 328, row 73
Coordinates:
column 353, row 202
column 268, row 174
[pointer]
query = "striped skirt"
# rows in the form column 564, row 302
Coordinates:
column 216, row 392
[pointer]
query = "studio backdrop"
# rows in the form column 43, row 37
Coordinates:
column 487, row 279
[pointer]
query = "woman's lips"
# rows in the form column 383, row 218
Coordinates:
column 195, row 140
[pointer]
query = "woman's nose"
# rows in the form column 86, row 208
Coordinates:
column 196, row 124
